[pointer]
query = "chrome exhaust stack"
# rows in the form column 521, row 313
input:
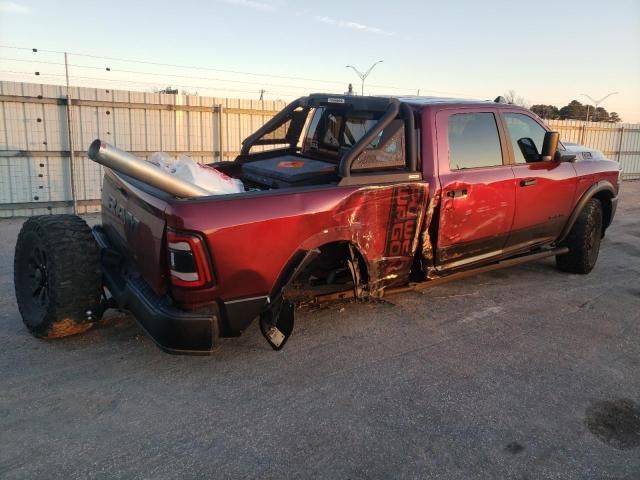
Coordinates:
column 124, row 162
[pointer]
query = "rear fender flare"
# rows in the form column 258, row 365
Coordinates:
column 301, row 258
column 601, row 186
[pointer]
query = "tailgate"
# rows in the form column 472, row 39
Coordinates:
column 134, row 220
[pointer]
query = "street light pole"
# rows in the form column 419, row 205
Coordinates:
column 363, row 76
column 596, row 102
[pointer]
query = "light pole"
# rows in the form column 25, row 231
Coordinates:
column 596, row 102
column 363, row 76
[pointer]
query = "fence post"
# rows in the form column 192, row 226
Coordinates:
column 220, row 132
column 620, row 144
column 584, row 132
column 72, row 149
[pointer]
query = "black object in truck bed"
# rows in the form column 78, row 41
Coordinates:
column 289, row 171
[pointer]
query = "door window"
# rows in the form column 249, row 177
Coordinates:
column 526, row 136
column 473, row 141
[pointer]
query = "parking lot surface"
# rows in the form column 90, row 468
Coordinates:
column 524, row 373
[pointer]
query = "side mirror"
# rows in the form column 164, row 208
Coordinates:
column 550, row 146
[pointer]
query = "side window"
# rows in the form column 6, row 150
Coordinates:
column 473, row 141
column 526, row 136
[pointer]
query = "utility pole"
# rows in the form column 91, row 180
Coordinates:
column 363, row 76
column 72, row 153
column 262, row 92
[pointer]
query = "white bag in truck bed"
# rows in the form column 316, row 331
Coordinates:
column 185, row 168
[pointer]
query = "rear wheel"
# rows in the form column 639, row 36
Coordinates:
column 57, row 275
column 583, row 240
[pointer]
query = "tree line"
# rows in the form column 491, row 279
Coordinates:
column 575, row 111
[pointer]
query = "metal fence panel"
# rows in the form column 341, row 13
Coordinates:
column 618, row 141
column 35, row 165
column 35, row 170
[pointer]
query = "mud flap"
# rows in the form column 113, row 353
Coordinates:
column 276, row 324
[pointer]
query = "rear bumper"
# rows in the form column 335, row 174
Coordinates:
column 172, row 329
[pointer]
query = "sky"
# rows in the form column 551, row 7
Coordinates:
column 546, row 51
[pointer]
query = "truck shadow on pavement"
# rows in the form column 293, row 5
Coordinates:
column 120, row 327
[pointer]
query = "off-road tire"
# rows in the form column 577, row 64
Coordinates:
column 583, row 240
column 57, row 277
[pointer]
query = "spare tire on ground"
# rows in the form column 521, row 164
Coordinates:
column 57, row 276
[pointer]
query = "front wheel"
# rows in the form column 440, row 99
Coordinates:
column 57, row 277
column 583, row 240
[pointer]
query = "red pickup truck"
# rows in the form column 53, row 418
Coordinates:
column 345, row 196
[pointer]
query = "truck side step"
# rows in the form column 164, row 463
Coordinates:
column 418, row 286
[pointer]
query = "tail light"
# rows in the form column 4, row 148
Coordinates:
column 189, row 264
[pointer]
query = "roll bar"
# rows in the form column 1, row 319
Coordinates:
column 344, row 170
column 347, row 159
column 410, row 137
column 272, row 124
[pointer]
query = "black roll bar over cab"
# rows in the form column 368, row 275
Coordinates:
column 296, row 114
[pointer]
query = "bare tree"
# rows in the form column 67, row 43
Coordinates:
column 515, row 99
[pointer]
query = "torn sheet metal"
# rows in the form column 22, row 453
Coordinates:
column 428, row 253
column 382, row 222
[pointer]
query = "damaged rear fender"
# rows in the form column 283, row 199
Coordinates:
column 304, row 258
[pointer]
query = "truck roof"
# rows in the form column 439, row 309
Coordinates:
column 420, row 101
column 414, row 101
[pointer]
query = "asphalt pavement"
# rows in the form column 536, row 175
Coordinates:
column 522, row 373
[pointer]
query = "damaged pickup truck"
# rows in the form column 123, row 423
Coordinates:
column 345, row 197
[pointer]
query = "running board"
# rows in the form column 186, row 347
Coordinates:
column 412, row 287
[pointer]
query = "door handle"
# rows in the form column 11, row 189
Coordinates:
column 527, row 182
column 462, row 192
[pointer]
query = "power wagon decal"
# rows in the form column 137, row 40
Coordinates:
column 406, row 212
column 407, row 206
